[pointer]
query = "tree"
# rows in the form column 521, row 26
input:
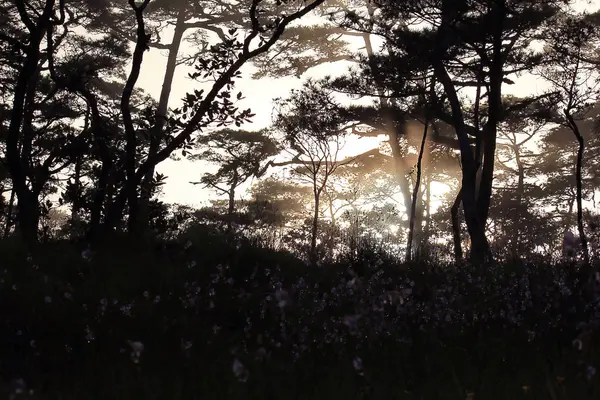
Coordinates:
column 42, row 139
column 199, row 110
column 477, row 45
column 314, row 133
column 515, row 159
column 328, row 43
column 43, row 31
column 240, row 155
column 570, row 43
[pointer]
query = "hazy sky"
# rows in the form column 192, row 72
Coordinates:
column 259, row 97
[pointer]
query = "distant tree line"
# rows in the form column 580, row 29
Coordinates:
column 78, row 134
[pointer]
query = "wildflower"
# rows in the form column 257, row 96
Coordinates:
column 240, row 371
column 352, row 322
column 261, row 353
column 358, row 365
column 18, row 386
column 89, row 336
column 186, row 345
column 136, row 350
column 187, row 245
column 86, row 254
column 590, row 372
column 282, row 297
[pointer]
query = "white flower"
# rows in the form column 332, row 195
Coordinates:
column 137, row 348
column 18, row 386
column 358, row 365
column 86, row 254
column 590, row 372
column 282, row 297
column 240, row 371
column 186, row 345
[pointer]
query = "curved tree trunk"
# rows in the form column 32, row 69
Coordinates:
column 400, row 166
column 411, row 228
column 131, row 182
column 24, row 92
column 578, row 178
column 458, row 254
column 161, row 116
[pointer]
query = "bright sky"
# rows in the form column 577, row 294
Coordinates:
column 259, row 97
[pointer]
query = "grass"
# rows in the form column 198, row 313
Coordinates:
column 229, row 320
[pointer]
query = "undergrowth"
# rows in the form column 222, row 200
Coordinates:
column 204, row 317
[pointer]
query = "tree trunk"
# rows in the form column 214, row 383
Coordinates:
column 103, row 151
column 480, row 249
column 28, row 214
column 315, row 227
column 458, row 254
column 400, row 166
column 161, row 115
column 131, row 182
column 516, row 237
column 9, row 213
column 578, row 178
column 76, row 206
column 495, row 112
column 27, row 209
column 427, row 212
column 411, row 228
column 231, row 205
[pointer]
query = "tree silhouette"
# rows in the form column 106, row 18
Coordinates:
column 576, row 83
column 240, row 155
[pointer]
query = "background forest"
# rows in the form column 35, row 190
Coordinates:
column 415, row 219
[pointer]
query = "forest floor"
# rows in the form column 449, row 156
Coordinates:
column 206, row 319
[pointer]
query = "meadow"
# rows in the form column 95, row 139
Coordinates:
column 205, row 316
